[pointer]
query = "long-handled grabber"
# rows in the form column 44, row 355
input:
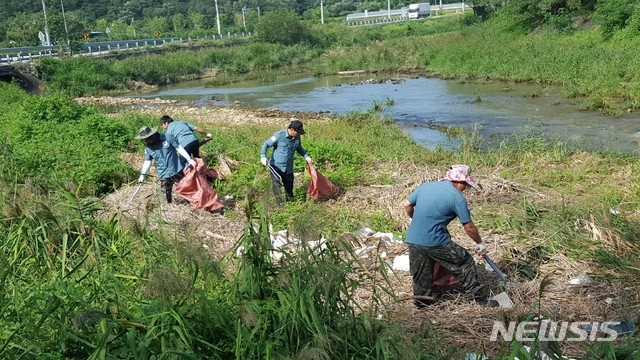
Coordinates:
column 275, row 175
column 503, row 298
column 496, row 269
column 204, row 140
column 135, row 192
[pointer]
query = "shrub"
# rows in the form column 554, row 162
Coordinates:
column 281, row 27
column 55, row 140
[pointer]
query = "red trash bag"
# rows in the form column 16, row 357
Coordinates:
column 196, row 188
column 442, row 276
column 320, row 187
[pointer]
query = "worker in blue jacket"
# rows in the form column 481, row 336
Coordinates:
column 184, row 133
column 285, row 143
column 164, row 149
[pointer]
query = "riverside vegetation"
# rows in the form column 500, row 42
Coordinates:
column 79, row 286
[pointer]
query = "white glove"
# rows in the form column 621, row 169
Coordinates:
column 209, row 136
column 192, row 163
column 141, row 179
column 263, row 160
column 481, row 249
column 308, row 159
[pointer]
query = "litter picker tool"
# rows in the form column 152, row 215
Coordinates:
column 204, row 140
column 135, row 192
column 503, row 298
column 496, row 269
column 275, row 175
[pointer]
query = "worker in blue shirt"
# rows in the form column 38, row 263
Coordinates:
column 183, row 132
column 164, row 149
column 431, row 207
column 285, row 144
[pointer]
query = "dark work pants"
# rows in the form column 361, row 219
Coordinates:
column 166, row 185
column 193, row 149
column 451, row 256
column 287, row 182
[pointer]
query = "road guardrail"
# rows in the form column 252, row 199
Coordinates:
column 26, row 54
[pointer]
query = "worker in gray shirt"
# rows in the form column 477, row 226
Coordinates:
column 285, row 144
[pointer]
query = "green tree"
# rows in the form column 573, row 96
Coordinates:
column 484, row 8
column 120, row 30
column 101, row 25
column 198, row 23
column 179, row 23
column 23, row 29
column 281, row 27
column 613, row 15
column 159, row 23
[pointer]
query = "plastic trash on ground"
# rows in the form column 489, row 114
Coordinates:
column 503, row 300
column 472, row 356
column 401, row 263
column 581, row 279
column 541, row 355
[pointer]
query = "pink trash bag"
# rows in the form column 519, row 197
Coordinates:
column 196, row 189
column 442, row 276
column 320, row 188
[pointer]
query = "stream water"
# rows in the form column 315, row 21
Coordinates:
column 419, row 105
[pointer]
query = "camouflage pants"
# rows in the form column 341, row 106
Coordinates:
column 451, row 256
column 166, row 185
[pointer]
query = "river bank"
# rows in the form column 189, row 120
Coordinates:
column 518, row 212
column 115, row 273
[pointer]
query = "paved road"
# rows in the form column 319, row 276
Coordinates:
column 394, row 15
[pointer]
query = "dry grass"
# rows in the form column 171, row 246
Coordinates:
column 460, row 324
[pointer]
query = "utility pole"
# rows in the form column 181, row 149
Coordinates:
column 389, row 8
column 218, row 18
column 244, row 21
column 321, row 12
column 64, row 18
column 46, row 25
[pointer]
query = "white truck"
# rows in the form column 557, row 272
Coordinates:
column 419, row 10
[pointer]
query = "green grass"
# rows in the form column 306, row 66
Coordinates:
column 101, row 289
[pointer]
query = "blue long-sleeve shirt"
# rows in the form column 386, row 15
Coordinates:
column 182, row 131
column 284, row 147
column 166, row 157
